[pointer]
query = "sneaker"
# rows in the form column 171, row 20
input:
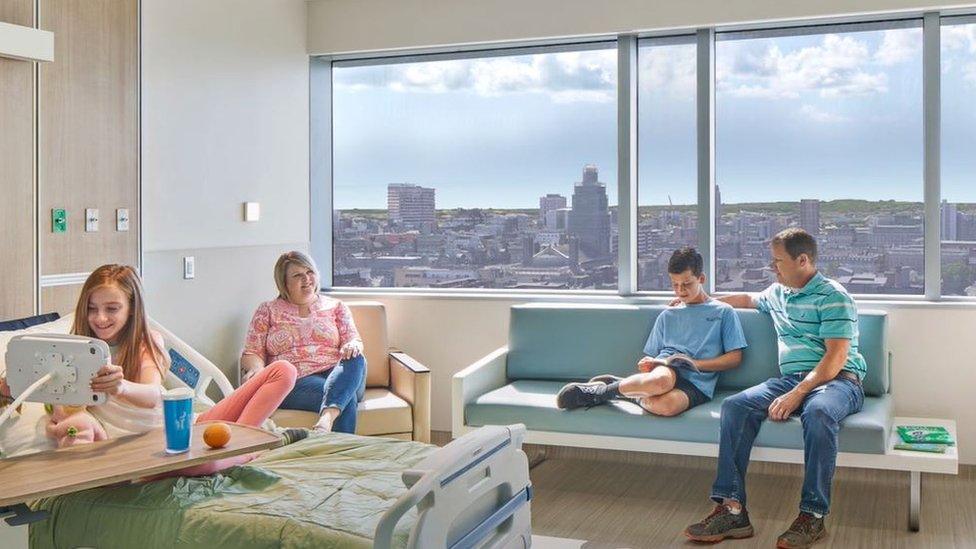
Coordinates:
column 806, row 530
column 578, row 395
column 606, row 378
column 291, row 435
column 721, row 524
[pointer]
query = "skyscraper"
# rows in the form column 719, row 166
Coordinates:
column 548, row 203
column 589, row 220
column 950, row 221
column 810, row 215
column 410, row 206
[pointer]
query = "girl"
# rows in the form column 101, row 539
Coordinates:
column 111, row 308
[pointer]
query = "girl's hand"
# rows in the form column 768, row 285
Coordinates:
column 351, row 349
column 109, row 380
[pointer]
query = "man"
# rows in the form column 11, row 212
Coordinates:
column 703, row 332
column 816, row 324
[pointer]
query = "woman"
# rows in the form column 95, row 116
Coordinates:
column 317, row 335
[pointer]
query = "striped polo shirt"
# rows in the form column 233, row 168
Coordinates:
column 804, row 318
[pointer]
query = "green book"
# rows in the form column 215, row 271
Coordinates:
column 922, row 447
column 925, row 434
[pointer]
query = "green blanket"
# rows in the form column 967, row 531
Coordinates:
column 325, row 491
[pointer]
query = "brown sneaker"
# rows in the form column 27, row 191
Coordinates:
column 721, row 524
column 806, row 530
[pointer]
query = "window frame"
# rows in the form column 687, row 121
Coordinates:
column 627, row 45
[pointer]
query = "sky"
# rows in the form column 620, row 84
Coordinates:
column 817, row 116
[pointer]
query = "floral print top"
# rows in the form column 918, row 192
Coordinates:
column 311, row 344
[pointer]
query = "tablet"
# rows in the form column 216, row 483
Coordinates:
column 73, row 361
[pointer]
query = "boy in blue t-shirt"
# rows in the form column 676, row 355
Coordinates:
column 688, row 346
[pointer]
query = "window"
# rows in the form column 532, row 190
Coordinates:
column 667, row 188
column 958, row 207
column 821, row 128
column 496, row 171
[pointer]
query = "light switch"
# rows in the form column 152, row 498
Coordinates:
column 122, row 219
column 189, row 268
column 252, row 211
column 91, row 220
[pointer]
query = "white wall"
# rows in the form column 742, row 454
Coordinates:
column 343, row 26
column 224, row 121
column 933, row 372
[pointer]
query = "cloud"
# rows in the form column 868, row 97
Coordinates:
column 959, row 37
column 564, row 76
column 959, row 47
column 817, row 115
column 837, row 67
column 898, row 46
column 671, row 70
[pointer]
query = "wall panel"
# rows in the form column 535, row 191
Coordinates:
column 17, row 173
column 89, row 128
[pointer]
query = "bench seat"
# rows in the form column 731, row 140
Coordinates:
column 533, row 403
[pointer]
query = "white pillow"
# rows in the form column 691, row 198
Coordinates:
column 24, row 433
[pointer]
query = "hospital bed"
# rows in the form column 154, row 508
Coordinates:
column 336, row 489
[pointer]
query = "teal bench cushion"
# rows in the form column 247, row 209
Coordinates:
column 533, row 402
column 560, row 342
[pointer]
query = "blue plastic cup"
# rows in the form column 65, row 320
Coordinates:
column 178, row 419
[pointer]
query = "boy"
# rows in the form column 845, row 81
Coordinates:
column 703, row 334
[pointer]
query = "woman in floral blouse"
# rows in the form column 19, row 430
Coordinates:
column 314, row 333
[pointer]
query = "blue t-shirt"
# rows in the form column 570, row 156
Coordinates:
column 704, row 330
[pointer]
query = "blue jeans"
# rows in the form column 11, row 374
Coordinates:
column 820, row 413
column 341, row 387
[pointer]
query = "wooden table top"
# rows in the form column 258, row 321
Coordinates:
column 67, row 470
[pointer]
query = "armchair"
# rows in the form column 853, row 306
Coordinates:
column 397, row 400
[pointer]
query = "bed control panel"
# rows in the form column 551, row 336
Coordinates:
column 182, row 369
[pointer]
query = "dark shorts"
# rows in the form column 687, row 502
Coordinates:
column 695, row 396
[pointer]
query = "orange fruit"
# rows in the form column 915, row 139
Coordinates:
column 216, row 435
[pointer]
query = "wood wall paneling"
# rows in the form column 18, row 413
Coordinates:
column 17, row 276
column 89, row 129
column 60, row 299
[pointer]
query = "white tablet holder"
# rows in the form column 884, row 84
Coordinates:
column 68, row 362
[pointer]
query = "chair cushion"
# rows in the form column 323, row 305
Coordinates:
column 567, row 341
column 533, row 403
column 370, row 319
column 381, row 412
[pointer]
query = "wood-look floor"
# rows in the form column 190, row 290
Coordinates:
column 606, row 499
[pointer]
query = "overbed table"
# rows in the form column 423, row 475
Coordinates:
column 45, row 474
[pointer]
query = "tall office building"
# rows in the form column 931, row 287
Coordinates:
column 410, row 206
column 548, row 203
column 950, row 221
column 810, row 215
column 589, row 220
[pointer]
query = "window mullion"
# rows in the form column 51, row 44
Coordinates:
column 932, row 111
column 627, row 165
column 706, row 150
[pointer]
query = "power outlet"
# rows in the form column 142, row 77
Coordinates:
column 122, row 219
column 189, row 267
column 59, row 220
column 91, row 220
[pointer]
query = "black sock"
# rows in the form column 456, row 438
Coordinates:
column 613, row 390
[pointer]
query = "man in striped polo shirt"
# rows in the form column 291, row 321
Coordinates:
column 816, row 324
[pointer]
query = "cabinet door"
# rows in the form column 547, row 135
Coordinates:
column 17, row 276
